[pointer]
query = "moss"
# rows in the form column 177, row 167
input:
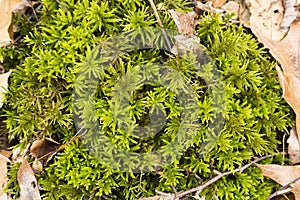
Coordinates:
column 39, row 103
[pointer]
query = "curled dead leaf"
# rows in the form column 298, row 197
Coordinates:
column 294, row 147
column 44, row 149
column 28, row 183
column 284, row 47
column 287, row 53
column 6, row 27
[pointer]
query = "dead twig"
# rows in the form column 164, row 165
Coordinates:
column 160, row 24
column 285, row 189
column 169, row 196
column 62, row 5
column 283, row 149
column 33, row 14
column 211, row 181
column 33, row 11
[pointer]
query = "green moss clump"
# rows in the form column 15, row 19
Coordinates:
column 40, row 101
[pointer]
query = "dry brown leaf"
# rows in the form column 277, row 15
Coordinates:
column 4, row 155
column 283, row 175
column 44, row 149
column 290, row 14
column 287, row 53
column 6, row 27
column 28, row 183
column 185, row 22
column 267, row 16
column 284, row 48
column 218, row 3
column 294, row 147
column 3, row 85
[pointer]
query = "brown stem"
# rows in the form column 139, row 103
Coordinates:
column 160, row 24
column 285, row 189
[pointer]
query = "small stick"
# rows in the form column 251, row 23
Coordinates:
column 156, row 13
column 198, row 177
column 163, row 193
column 33, row 10
column 160, row 24
column 285, row 189
column 62, row 5
column 283, row 146
column 211, row 181
column 241, row 169
column 174, row 190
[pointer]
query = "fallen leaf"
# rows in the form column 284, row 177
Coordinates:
column 4, row 155
column 283, row 175
column 185, row 22
column 6, row 26
column 266, row 16
column 44, row 149
column 3, row 85
column 284, row 47
column 290, row 14
column 28, row 183
column 294, row 147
